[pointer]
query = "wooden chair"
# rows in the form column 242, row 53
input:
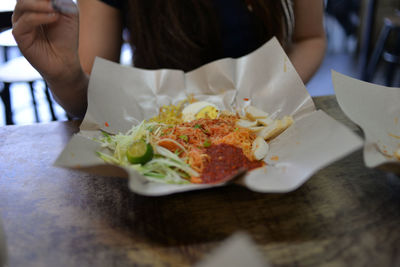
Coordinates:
column 390, row 27
column 18, row 70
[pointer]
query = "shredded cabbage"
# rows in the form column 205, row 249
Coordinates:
column 165, row 166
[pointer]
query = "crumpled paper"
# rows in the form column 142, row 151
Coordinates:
column 376, row 109
column 237, row 251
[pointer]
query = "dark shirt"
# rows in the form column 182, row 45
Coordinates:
column 238, row 26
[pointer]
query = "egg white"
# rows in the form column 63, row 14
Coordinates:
column 190, row 111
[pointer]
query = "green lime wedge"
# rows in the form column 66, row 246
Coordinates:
column 139, row 152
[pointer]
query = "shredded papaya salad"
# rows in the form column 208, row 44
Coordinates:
column 187, row 143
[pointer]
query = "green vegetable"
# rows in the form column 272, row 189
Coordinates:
column 164, row 166
column 207, row 143
column 184, row 138
column 139, row 152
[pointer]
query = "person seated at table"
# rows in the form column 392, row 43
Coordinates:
column 164, row 34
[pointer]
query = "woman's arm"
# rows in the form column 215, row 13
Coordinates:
column 100, row 32
column 308, row 48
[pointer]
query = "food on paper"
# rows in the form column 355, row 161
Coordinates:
column 194, row 142
column 200, row 110
column 275, row 128
column 254, row 113
column 262, row 124
column 397, row 153
column 246, row 123
column 389, row 154
column 139, row 152
column 388, row 150
column 259, row 148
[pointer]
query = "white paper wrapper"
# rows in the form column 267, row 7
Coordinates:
column 119, row 96
column 237, row 251
column 376, row 109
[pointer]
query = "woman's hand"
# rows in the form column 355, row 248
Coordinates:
column 48, row 39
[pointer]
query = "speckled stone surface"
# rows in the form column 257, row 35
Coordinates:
column 345, row 215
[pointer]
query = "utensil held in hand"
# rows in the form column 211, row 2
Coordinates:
column 65, row 6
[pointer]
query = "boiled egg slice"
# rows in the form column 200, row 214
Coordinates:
column 200, row 110
column 259, row 148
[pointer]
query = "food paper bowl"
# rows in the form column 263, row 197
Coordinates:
column 120, row 96
column 376, row 109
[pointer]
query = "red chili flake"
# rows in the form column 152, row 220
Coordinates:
column 225, row 160
column 246, row 99
column 106, row 124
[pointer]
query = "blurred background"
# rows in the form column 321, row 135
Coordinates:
column 363, row 42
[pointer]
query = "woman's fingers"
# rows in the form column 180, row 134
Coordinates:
column 40, row 6
column 29, row 21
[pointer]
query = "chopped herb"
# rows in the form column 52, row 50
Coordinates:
column 205, row 131
column 207, row 143
column 178, row 152
column 184, row 138
column 105, row 134
column 198, row 126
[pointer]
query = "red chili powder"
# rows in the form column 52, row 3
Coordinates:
column 224, row 161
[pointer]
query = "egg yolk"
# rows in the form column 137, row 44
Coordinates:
column 209, row 112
